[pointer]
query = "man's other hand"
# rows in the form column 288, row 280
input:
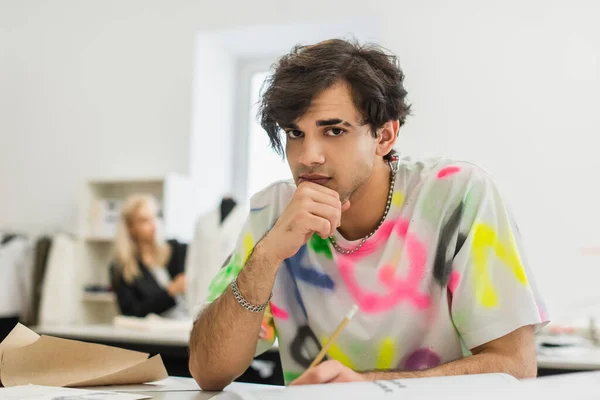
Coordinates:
column 331, row 371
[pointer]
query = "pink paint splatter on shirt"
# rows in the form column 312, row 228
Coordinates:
column 387, row 274
column 447, row 171
column 453, row 281
column 399, row 288
column 379, row 239
column 543, row 312
column 279, row 312
column 370, row 302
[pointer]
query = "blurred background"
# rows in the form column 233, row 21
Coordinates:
column 101, row 100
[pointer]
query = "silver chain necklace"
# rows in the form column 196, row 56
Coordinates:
column 387, row 209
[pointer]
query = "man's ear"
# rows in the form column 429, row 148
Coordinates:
column 386, row 139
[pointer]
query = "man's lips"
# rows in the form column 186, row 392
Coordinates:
column 318, row 179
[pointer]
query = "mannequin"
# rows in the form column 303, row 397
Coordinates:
column 227, row 204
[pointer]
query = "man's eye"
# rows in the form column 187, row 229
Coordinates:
column 294, row 134
column 335, row 132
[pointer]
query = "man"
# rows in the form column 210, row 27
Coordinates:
column 426, row 250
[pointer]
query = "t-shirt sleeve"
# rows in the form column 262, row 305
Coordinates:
column 492, row 289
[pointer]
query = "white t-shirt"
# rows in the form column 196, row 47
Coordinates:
column 444, row 273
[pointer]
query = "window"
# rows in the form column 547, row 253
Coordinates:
column 264, row 165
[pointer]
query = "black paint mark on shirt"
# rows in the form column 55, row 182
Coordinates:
column 442, row 267
column 301, row 350
column 460, row 242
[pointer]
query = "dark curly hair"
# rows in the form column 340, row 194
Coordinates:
column 373, row 74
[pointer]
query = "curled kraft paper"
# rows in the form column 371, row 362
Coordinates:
column 27, row 358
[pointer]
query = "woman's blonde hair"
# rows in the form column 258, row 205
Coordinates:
column 126, row 252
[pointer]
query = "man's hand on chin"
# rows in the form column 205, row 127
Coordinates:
column 331, row 371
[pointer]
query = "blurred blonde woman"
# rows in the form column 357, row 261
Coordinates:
column 147, row 272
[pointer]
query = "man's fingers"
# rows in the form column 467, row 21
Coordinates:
column 325, row 372
column 346, row 376
column 320, row 225
column 332, row 214
column 306, row 378
column 320, row 188
column 313, row 192
column 346, row 206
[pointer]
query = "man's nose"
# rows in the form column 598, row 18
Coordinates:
column 312, row 152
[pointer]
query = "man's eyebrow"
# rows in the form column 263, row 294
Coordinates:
column 290, row 126
column 333, row 121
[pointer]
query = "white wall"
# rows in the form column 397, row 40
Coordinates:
column 512, row 85
column 517, row 90
column 86, row 89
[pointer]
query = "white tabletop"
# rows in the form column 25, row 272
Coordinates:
column 182, row 389
column 110, row 333
column 578, row 359
column 582, row 356
column 554, row 387
column 170, row 389
column 120, row 334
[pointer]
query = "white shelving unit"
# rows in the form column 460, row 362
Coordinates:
column 98, row 219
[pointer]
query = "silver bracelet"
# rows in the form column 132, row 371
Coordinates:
column 245, row 303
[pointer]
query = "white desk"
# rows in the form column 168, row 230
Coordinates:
column 185, row 389
column 110, row 333
column 169, row 389
column 585, row 385
column 580, row 357
column 570, row 359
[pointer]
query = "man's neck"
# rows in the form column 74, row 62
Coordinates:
column 367, row 205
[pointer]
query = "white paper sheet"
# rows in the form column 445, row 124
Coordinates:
column 34, row 392
column 442, row 386
column 401, row 389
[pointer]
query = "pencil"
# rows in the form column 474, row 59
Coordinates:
column 334, row 337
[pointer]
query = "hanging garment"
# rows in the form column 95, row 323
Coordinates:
column 40, row 261
column 16, row 259
column 60, row 302
column 212, row 244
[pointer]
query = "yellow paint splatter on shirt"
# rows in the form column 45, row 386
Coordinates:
column 397, row 199
column 248, row 246
column 387, row 352
column 337, row 354
column 484, row 238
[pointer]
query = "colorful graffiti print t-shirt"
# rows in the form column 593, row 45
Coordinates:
column 443, row 274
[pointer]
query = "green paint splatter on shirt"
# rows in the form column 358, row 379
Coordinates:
column 290, row 376
column 320, row 245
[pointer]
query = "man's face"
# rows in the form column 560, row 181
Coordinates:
column 330, row 145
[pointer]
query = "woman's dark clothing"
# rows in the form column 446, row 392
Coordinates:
column 144, row 295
